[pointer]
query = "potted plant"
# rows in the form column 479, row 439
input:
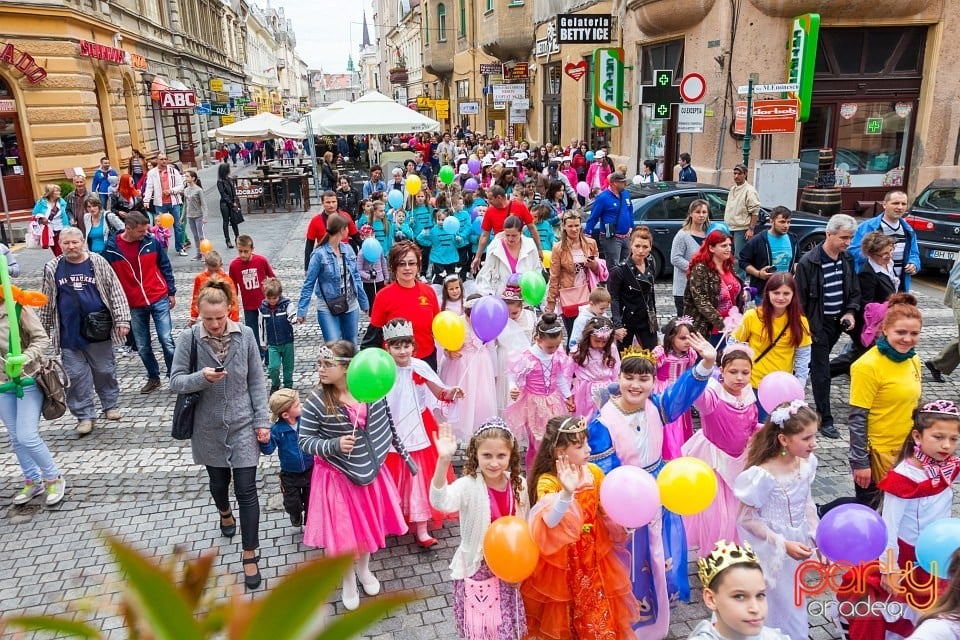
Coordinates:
column 398, row 73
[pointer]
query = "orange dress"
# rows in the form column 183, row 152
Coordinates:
column 580, row 589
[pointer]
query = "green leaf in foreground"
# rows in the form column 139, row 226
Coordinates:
column 54, row 625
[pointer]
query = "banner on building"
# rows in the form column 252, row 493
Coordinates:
column 607, row 109
column 802, row 58
column 469, row 108
column 216, row 84
column 584, row 28
column 516, row 71
column 769, row 116
column 176, row 99
column 507, row 92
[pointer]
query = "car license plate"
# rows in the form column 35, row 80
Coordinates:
column 937, row 254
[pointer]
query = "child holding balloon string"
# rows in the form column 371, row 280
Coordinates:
column 516, row 336
column 372, row 264
column 420, row 218
column 595, row 364
column 442, row 239
column 628, row 430
column 354, row 502
column 411, row 408
column 492, row 486
column 728, row 419
column 581, row 585
column 539, row 384
column 383, row 229
column 673, row 358
column 918, row 492
column 777, row 515
column 469, row 367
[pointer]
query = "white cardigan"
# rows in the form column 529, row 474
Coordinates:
column 493, row 276
column 469, row 496
column 153, row 190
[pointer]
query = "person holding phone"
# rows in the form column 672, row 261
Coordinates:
column 768, row 253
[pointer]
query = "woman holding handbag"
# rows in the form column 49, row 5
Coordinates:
column 333, row 275
column 229, row 204
column 575, row 269
column 632, row 296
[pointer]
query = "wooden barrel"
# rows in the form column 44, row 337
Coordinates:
column 825, row 202
column 826, row 160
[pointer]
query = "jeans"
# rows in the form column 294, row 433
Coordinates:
column 823, row 341
column 174, row 210
column 104, row 199
column 245, row 488
column 91, row 370
column 615, row 249
column 277, row 355
column 21, row 416
column 342, row 327
column 739, row 239
column 196, row 229
column 140, row 326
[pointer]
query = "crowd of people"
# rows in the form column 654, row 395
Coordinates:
column 575, row 382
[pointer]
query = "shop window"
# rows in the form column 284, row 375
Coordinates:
column 463, row 88
column 426, row 28
column 876, row 51
column 551, row 102
column 441, row 23
column 489, row 6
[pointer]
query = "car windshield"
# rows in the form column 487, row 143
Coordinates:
column 941, row 199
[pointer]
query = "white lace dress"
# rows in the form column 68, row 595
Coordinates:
column 776, row 509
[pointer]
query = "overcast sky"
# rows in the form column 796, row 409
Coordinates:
column 327, row 30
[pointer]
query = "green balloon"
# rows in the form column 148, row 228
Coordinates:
column 533, row 287
column 371, row 375
column 446, row 174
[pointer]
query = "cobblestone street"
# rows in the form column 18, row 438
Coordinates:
column 130, row 478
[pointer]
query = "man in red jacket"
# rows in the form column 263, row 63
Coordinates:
column 144, row 271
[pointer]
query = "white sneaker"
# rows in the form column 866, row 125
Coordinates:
column 183, row 252
column 351, row 596
column 56, row 489
column 29, row 491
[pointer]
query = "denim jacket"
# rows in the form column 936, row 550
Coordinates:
column 323, row 277
column 285, row 440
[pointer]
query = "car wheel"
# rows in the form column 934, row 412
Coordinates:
column 656, row 262
column 808, row 243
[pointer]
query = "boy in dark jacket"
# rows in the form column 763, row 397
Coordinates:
column 277, row 316
column 296, row 467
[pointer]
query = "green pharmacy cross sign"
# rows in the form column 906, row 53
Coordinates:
column 662, row 94
column 874, row 126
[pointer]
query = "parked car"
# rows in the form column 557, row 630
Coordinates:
column 935, row 216
column 663, row 207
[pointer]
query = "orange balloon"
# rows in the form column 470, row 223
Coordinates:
column 165, row 220
column 509, row 549
column 205, row 245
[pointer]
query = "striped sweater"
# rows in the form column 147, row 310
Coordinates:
column 321, row 430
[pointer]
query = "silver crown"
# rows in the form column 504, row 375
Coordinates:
column 398, row 329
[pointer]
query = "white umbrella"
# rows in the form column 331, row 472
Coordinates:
column 318, row 115
column 261, row 127
column 376, row 114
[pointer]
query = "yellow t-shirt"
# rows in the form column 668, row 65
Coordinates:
column 780, row 358
column 890, row 392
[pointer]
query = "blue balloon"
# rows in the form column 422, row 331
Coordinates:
column 371, row 250
column 718, row 226
column 451, row 225
column 589, row 156
column 395, row 198
column 937, row 543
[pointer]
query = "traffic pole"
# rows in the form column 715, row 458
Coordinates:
column 749, row 129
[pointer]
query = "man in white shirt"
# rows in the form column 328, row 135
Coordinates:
column 740, row 215
column 163, row 188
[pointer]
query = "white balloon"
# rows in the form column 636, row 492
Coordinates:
column 637, row 179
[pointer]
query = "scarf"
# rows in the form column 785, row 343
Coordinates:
column 884, row 347
column 935, row 469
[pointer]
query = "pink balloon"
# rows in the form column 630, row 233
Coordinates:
column 630, row 496
column 778, row 387
column 470, row 185
column 583, row 189
column 488, row 317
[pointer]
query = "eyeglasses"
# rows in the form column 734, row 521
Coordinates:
column 329, row 364
column 408, row 264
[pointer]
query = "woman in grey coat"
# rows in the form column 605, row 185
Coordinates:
column 686, row 243
column 231, row 416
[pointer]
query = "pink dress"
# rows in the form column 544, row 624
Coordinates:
column 592, row 376
column 728, row 423
column 474, row 372
column 543, row 390
column 346, row 518
column 671, row 366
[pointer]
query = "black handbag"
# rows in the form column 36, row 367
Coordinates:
column 186, row 406
column 339, row 305
column 96, row 326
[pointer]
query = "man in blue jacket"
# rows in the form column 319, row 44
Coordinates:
column 906, row 255
column 101, row 181
column 613, row 212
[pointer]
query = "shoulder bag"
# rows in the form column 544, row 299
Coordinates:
column 96, row 326
column 770, row 346
column 53, row 382
column 338, row 306
column 186, row 406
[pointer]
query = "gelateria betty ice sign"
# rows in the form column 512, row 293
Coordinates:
column 579, row 28
column 22, row 62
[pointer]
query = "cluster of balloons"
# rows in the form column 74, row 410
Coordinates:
column 777, row 388
column 165, row 220
column 632, row 497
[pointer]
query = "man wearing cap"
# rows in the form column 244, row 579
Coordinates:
column 740, row 215
column 612, row 215
column 498, row 210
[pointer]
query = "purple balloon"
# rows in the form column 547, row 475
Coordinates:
column 470, row 185
column 474, row 165
column 513, row 280
column 852, row 533
column 488, row 317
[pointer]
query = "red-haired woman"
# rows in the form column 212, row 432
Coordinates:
column 777, row 332
column 713, row 287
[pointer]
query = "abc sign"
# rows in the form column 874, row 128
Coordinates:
column 178, row 100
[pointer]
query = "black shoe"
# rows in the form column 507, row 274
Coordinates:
column 252, row 582
column 273, row 389
column 229, row 244
column 296, row 519
column 937, row 375
column 228, row 530
column 829, row 431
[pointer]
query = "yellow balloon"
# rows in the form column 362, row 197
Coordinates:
column 413, row 185
column 547, row 257
column 687, row 485
column 449, row 330
column 205, row 246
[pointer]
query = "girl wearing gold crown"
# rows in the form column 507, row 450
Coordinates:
column 628, row 429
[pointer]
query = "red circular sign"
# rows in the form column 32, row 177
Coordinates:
column 692, row 87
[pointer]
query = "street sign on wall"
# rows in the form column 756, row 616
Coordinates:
column 607, row 110
column 690, row 118
column 769, row 116
column 507, row 92
column 469, row 108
